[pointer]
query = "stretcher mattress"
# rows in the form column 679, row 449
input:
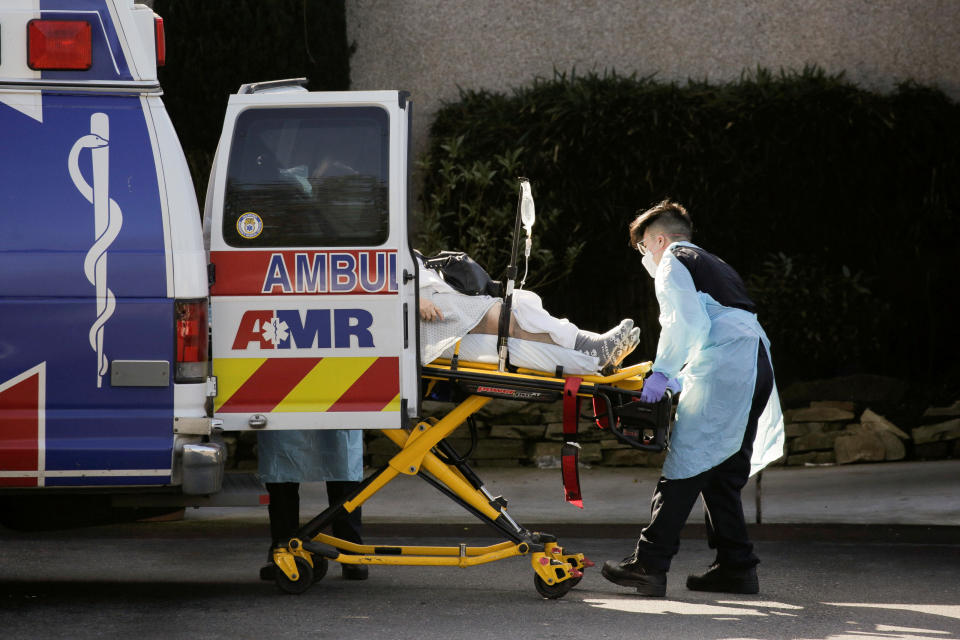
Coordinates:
column 478, row 347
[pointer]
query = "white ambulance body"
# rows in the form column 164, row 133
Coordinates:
column 103, row 280
column 313, row 298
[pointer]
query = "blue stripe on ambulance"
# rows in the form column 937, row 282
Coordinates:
column 48, row 304
column 109, row 61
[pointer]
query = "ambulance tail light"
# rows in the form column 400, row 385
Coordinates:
column 191, row 327
column 160, row 41
column 59, row 45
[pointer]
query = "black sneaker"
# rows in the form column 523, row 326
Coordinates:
column 354, row 571
column 630, row 572
column 723, row 580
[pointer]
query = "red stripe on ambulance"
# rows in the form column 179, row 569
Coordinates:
column 20, row 431
column 346, row 272
column 373, row 390
column 269, row 384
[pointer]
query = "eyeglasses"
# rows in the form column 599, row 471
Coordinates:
column 642, row 248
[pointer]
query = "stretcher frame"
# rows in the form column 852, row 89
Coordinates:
column 422, row 447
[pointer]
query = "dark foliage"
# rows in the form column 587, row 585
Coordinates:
column 858, row 190
column 214, row 46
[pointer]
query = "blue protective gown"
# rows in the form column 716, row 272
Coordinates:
column 310, row 456
column 716, row 348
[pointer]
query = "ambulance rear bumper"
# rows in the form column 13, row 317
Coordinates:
column 202, row 467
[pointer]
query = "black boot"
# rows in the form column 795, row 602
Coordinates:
column 630, row 572
column 725, row 580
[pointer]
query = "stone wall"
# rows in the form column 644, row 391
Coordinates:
column 511, row 434
column 431, row 47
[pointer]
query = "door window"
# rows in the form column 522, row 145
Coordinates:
column 308, row 177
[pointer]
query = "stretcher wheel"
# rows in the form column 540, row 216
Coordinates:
column 554, row 591
column 303, row 581
column 320, row 566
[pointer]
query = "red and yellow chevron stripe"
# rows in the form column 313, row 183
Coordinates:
column 290, row 385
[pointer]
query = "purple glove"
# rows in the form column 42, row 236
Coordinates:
column 675, row 386
column 653, row 387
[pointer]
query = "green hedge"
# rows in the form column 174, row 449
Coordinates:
column 859, row 191
column 214, row 46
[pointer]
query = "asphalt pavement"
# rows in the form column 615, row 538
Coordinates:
column 145, row 583
column 825, row 573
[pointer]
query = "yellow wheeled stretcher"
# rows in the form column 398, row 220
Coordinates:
column 424, row 452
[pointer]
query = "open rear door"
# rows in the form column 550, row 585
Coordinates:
column 313, row 298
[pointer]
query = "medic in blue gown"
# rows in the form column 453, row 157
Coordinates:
column 287, row 458
column 729, row 424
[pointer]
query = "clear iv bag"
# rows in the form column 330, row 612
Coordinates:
column 527, row 213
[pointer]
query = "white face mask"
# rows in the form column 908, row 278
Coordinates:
column 649, row 264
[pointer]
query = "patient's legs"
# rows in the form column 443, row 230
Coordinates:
column 491, row 323
column 609, row 348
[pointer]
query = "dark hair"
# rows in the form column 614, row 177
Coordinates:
column 669, row 215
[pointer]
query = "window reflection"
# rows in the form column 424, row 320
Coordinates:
column 308, row 177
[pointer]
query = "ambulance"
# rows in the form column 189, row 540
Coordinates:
column 103, row 278
column 302, row 270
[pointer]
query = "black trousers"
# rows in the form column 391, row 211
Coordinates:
column 720, row 488
column 284, row 510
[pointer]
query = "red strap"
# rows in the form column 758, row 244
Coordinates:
column 570, row 453
column 571, row 405
column 570, row 468
column 603, row 420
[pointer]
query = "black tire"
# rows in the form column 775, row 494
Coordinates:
column 553, row 591
column 303, row 581
column 320, row 566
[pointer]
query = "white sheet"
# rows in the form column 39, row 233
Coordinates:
column 481, row 347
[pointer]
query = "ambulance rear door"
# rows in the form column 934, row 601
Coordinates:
column 313, row 295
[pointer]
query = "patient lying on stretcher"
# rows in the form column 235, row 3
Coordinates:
column 537, row 340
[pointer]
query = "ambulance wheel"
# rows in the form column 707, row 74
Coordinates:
column 320, row 566
column 553, row 591
column 303, row 581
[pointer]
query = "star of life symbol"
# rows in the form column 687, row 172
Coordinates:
column 107, row 222
column 275, row 331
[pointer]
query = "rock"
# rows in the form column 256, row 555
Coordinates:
column 498, row 462
column 801, row 459
column 949, row 430
column 933, row 450
column 844, row 405
column 586, row 432
column 952, row 411
column 818, row 414
column 554, row 431
column 382, row 446
column 626, row 458
column 590, row 452
column 856, row 447
column 830, row 426
column 545, row 455
column 517, row 432
column 879, row 423
column 612, row 443
column 489, row 449
column 895, row 450
column 434, row 408
column 814, row 442
column 796, row 429
column 552, row 413
column 812, row 457
column 861, row 389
